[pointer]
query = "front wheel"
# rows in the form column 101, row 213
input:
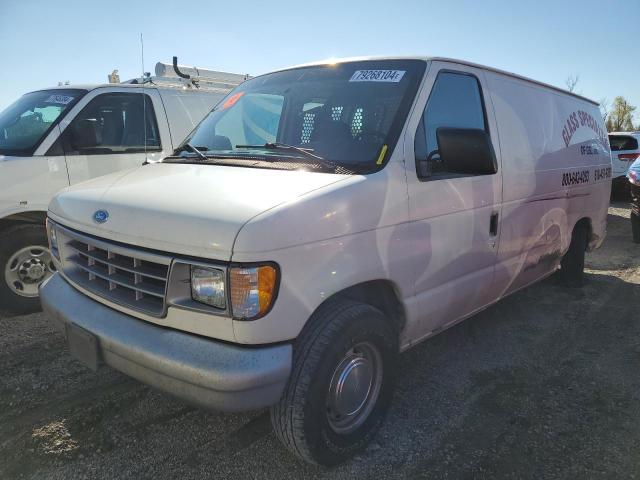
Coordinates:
column 341, row 384
column 25, row 262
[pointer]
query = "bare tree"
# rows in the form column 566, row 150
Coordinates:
column 604, row 108
column 571, row 82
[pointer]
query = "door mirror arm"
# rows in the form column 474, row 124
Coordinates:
column 432, row 155
column 423, row 166
column 424, row 163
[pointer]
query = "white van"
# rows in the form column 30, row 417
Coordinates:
column 333, row 216
column 53, row 138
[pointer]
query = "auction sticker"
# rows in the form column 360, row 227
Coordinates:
column 60, row 99
column 393, row 76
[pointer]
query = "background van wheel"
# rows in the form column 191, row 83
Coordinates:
column 572, row 264
column 341, row 384
column 25, row 262
column 635, row 227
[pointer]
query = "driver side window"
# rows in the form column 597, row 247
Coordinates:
column 113, row 123
column 455, row 101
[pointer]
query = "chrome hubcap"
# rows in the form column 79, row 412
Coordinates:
column 27, row 269
column 354, row 389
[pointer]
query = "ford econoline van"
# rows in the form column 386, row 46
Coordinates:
column 318, row 222
column 53, row 138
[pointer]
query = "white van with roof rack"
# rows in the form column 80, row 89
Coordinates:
column 318, row 222
column 53, row 138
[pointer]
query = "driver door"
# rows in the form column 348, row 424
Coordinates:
column 454, row 218
column 109, row 134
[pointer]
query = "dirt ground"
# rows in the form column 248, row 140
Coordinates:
column 541, row 385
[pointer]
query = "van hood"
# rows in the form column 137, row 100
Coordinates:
column 192, row 210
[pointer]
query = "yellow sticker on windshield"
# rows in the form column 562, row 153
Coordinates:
column 383, row 152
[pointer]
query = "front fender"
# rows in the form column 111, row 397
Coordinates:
column 311, row 273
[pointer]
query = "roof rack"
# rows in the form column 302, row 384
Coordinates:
column 174, row 75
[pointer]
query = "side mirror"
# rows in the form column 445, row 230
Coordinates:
column 86, row 134
column 466, row 150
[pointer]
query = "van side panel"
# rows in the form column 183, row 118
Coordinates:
column 556, row 170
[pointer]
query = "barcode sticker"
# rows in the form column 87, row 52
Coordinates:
column 393, row 76
column 60, row 99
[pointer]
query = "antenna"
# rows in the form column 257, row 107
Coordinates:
column 144, row 100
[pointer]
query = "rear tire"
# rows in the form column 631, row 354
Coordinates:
column 572, row 264
column 341, row 384
column 635, row 227
column 24, row 253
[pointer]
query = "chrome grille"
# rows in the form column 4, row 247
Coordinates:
column 122, row 274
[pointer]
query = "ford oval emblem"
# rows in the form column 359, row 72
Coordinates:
column 101, row 216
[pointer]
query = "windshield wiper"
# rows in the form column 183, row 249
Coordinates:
column 308, row 152
column 194, row 150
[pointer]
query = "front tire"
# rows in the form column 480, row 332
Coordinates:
column 572, row 264
column 341, row 384
column 25, row 262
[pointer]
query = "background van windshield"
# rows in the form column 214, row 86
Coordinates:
column 24, row 124
column 345, row 113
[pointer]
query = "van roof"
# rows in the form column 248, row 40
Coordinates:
column 219, row 82
column 444, row 59
column 146, row 86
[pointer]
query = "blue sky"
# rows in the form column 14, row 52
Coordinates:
column 43, row 42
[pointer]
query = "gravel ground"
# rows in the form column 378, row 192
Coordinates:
column 541, row 385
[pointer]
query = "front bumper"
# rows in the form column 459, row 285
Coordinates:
column 198, row 370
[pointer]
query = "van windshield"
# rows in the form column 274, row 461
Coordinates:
column 340, row 117
column 25, row 123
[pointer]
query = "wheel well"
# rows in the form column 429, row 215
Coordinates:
column 23, row 217
column 381, row 294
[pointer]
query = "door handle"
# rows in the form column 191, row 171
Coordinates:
column 493, row 224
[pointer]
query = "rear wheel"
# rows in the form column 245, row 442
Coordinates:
column 25, row 262
column 341, row 383
column 572, row 264
column 635, row 227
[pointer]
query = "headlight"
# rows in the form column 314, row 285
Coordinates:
column 253, row 290
column 207, row 286
column 53, row 239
